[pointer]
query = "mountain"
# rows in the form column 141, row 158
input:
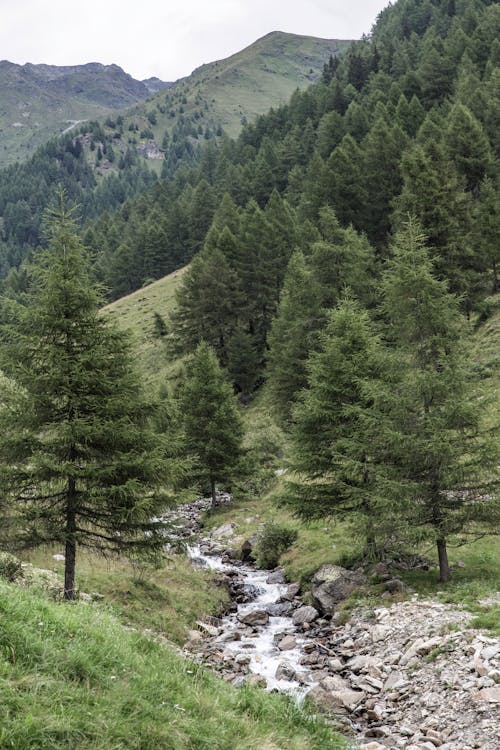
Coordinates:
column 227, row 93
column 40, row 101
column 102, row 164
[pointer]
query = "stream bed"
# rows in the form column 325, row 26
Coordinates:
column 262, row 642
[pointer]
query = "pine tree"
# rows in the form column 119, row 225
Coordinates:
column 293, row 336
column 79, row 461
column 211, row 421
column 333, row 454
column 444, row 463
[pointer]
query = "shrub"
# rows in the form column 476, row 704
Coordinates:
column 272, row 541
column 10, row 566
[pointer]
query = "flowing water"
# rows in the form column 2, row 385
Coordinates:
column 260, row 646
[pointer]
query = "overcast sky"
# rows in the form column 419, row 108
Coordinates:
column 162, row 37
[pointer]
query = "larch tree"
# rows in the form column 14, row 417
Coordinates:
column 444, row 460
column 211, row 420
column 80, row 465
column 334, row 455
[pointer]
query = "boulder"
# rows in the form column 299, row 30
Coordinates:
column 304, row 614
column 287, row 643
column 277, row 576
column 280, row 609
column 331, row 584
column 292, row 591
column 285, row 672
column 257, row 617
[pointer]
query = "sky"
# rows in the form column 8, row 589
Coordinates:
column 165, row 38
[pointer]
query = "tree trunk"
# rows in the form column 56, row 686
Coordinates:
column 444, row 566
column 214, row 493
column 70, row 551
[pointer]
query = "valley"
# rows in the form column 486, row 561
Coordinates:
column 250, row 412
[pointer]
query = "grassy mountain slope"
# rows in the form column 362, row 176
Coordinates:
column 136, row 312
column 228, row 92
column 72, row 677
column 40, row 101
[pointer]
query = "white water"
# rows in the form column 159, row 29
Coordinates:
column 265, row 656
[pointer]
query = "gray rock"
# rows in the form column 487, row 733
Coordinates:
column 304, row 614
column 292, row 591
column 277, row 576
column 331, row 584
column 257, row 617
column 285, row 672
column 287, row 643
column 279, row 609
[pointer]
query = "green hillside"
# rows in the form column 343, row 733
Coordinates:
column 136, row 312
column 41, row 101
column 72, row 677
column 226, row 93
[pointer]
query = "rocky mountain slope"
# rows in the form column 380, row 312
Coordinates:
column 40, row 101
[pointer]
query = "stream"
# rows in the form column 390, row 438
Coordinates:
column 258, row 643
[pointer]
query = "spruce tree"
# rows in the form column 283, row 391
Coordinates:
column 446, row 466
column 293, row 336
column 211, row 421
column 334, row 455
column 80, row 465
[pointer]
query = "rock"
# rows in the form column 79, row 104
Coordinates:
column 58, row 557
column 334, row 682
column 242, row 659
column 335, row 664
column 285, row 672
column 490, row 652
column 257, row 617
column 379, row 633
column 489, row 695
column 331, row 584
column 304, row 614
column 287, row 643
column 347, row 698
column 292, row 591
column 225, row 530
column 395, row 586
column 395, row 681
column 277, row 576
column 372, row 746
column 279, row 609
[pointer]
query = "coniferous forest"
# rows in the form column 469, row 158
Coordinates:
column 340, row 265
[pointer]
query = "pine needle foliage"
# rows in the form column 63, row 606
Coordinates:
column 80, row 464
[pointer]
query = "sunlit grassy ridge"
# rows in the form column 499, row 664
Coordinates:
column 136, row 312
column 71, row 677
column 227, row 92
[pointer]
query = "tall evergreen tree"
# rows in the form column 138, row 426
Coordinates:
column 436, row 445
column 211, row 421
column 79, row 461
column 333, row 454
column 293, row 336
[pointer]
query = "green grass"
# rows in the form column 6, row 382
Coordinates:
column 72, row 678
column 167, row 600
column 227, row 92
column 136, row 312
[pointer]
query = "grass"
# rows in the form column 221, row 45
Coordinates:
column 167, row 600
column 72, row 678
column 136, row 312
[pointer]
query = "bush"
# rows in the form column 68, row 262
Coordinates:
column 272, row 541
column 10, row 566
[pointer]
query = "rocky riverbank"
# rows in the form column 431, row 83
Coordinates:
column 408, row 675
